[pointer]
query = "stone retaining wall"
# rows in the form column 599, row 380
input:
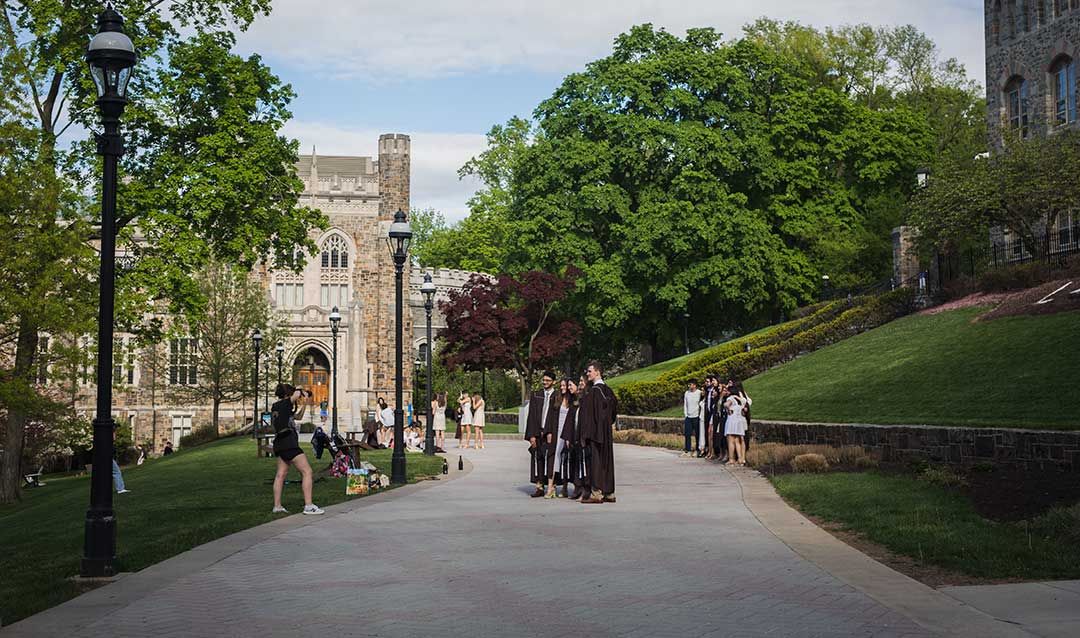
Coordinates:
column 1033, row 449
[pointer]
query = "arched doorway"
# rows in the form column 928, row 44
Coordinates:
column 311, row 369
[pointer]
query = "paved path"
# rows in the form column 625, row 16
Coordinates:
column 678, row 555
column 1050, row 610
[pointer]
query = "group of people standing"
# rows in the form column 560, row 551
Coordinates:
column 569, row 430
column 717, row 418
column 470, row 417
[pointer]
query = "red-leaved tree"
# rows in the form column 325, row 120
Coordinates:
column 509, row 322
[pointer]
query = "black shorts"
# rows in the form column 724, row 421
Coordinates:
column 287, row 446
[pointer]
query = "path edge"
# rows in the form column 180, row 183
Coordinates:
column 924, row 605
column 73, row 616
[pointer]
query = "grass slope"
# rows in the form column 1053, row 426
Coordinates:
column 936, row 526
column 176, row 503
column 936, row 369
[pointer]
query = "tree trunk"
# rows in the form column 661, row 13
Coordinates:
column 11, row 462
column 217, row 405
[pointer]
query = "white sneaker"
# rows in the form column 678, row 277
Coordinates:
column 685, row 455
column 310, row 510
column 123, row 491
column 279, row 510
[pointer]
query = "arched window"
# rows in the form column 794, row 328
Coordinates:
column 1016, row 104
column 422, row 353
column 1063, row 90
column 334, row 253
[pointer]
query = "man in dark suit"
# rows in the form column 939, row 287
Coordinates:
column 540, row 406
column 712, row 404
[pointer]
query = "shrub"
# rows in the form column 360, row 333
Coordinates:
column 649, row 439
column 765, row 454
column 809, row 463
column 942, row 476
column 201, row 434
column 307, row 428
column 1058, row 522
column 650, row 396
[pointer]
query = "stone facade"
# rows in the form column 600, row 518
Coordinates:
column 351, row 269
column 1027, row 42
column 1032, row 449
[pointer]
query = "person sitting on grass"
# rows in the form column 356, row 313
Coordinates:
column 287, row 446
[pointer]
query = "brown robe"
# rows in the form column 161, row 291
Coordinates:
column 596, row 417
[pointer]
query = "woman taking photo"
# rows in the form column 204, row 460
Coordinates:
column 478, row 420
column 466, row 419
column 438, row 420
column 287, row 446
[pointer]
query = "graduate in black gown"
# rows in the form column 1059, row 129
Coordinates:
column 596, row 418
column 541, row 405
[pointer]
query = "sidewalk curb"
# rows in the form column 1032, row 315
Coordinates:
column 924, row 605
column 72, row 617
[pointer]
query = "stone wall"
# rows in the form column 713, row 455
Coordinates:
column 1032, row 449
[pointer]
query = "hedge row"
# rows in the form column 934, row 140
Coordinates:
column 826, row 312
column 652, row 396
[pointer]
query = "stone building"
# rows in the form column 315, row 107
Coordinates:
column 1032, row 48
column 352, row 270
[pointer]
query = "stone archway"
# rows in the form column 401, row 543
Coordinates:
column 311, row 369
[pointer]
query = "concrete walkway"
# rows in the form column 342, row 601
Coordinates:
column 680, row 554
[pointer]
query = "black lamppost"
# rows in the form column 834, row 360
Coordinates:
column 825, row 285
column 398, row 240
column 111, row 56
column 416, row 387
column 428, row 290
column 280, row 349
column 256, row 339
column 686, row 332
column 335, row 321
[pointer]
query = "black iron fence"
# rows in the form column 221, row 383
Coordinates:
column 1059, row 249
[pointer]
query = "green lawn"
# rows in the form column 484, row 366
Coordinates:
column 937, row 369
column 175, row 503
column 936, row 526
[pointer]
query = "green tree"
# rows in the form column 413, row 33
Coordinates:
column 205, row 171
column 689, row 174
column 1022, row 187
column 235, row 306
column 425, row 222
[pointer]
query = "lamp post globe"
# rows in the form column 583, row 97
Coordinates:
column 427, row 289
column 256, row 340
column 398, row 238
column 335, row 322
column 111, row 56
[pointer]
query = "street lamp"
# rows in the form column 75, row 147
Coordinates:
column 427, row 289
column 256, row 340
column 397, row 241
column 110, row 56
column 686, row 332
column 335, row 321
column 280, row 349
column 825, row 285
column 922, row 175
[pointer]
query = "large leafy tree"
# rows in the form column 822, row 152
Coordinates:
column 509, row 322
column 206, row 171
column 688, row 174
column 1023, row 187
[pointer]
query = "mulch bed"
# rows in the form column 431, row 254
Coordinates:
column 1008, row 493
column 1025, row 302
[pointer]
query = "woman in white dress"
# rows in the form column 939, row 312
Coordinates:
column 438, row 420
column 735, row 426
column 466, row 419
column 478, row 420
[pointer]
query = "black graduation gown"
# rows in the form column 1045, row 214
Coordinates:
column 595, row 420
column 535, row 426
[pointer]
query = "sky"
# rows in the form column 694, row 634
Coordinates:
column 446, row 72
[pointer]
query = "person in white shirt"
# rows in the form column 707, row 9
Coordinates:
column 691, row 417
column 386, row 418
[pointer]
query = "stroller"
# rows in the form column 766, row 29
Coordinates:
column 343, row 458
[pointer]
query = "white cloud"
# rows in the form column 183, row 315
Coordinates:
column 375, row 39
column 436, row 158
